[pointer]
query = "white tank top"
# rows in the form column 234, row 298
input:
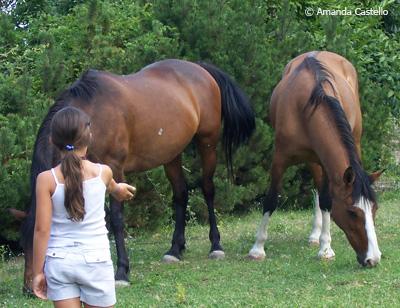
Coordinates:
column 91, row 232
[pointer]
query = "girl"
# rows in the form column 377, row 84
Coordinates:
column 71, row 254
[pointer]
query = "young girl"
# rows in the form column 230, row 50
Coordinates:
column 71, row 254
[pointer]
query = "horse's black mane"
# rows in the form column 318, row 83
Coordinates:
column 362, row 184
column 84, row 89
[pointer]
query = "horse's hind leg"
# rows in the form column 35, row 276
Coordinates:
column 208, row 153
column 270, row 204
column 175, row 175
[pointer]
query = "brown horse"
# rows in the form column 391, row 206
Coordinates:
column 145, row 120
column 316, row 115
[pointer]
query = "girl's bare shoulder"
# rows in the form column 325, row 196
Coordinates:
column 45, row 180
column 44, row 176
column 105, row 169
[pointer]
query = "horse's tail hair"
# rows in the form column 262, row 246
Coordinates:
column 321, row 75
column 318, row 96
column 237, row 113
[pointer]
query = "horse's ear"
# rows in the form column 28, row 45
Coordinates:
column 375, row 175
column 349, row 176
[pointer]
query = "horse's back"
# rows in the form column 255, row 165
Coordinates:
column 155, row 112
column 194, row 83
column 296, row 85
column 336, row 64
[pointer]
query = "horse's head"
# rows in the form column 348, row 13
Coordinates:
column 353, row 209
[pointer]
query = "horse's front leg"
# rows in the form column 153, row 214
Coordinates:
column 117, row 226
column 318, row 176
column 313, row 239
column 175, row 175
column 325, row 202
column 28, row 272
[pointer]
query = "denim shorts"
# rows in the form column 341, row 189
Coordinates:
column 85, row 273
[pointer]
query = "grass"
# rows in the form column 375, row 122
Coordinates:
column 290, row 276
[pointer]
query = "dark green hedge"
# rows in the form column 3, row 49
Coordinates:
column 46, row 45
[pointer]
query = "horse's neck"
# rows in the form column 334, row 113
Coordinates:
column 45, row 156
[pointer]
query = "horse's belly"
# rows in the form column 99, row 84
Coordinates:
column 155, row 153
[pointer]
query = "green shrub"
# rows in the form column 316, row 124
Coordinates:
column 47, row 46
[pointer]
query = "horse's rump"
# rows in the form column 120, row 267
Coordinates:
column 308, row 80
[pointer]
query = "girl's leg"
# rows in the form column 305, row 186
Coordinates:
column 68, row 303
column 90, row 306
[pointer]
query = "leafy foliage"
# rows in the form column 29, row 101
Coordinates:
column 46, row 45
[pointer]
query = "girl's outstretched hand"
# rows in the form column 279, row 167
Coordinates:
column 120, row 191
column 124, row 192
column 39, row 286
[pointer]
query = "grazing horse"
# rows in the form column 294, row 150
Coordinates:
column 316, row 115
column 144, row 120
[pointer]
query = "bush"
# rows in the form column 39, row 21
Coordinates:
column 47, row 46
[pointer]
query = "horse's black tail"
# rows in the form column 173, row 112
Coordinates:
column 318, row 96
column 237, row 114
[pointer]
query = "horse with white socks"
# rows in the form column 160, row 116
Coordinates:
column 316, row 114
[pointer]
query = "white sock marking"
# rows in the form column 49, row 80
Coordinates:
column 325, row 249
column 317, row 220
column 257, row 251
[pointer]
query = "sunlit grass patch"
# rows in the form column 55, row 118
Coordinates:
column 291, row 275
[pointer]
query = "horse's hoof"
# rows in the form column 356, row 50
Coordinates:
column 313, row 242
column 28, row 292
column 327, row 258
column 327, row 255
column 217, row 255
column 122, row 283
column 256, row 254
column 169, row 259
column 122, row 275
column 255, row 257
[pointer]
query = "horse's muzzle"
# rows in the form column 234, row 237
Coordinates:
column 367, row 262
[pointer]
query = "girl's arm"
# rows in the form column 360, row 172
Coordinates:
column 120, row 191
column 42, row 231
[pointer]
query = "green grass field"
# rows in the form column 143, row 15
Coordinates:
column 290, row 276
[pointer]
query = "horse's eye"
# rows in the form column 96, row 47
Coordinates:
column 352, row 213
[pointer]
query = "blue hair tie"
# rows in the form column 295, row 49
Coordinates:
column 69, row 147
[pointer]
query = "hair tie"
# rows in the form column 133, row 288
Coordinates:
column 69, row 147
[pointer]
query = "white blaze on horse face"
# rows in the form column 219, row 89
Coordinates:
column 317, row 221
column 373, row 254
column 257, row 252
